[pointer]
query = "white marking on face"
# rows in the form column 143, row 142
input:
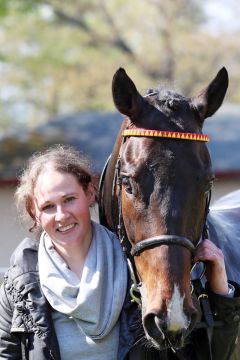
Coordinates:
column 176, row 317
column 143, row 293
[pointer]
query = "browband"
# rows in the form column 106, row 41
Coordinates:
column 166, row 134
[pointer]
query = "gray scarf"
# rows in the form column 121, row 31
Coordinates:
column 95, row 301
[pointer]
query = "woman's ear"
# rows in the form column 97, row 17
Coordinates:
column 91, row 194
column 36, row 219
column 32, row 212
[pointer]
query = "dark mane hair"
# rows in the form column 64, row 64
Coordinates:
column 161, row 96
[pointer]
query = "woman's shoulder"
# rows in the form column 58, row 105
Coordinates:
column 101, row 228
column 107, row 236
column 24, row 258
column 27, row 247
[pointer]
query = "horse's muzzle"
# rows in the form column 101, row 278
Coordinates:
column 161, row 336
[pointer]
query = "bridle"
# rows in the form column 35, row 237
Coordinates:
column 134, row 250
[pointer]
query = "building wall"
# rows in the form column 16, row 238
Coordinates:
column 12, row 232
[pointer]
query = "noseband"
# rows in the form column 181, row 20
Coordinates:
column 149, row 243
column 162, row 240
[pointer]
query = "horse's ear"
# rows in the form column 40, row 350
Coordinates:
column 125, row 95
column 210, row 98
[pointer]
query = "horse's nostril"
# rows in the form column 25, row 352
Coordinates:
column 157, row 328
column 161, row 324
column 154, row 326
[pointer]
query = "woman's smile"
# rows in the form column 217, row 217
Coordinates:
column 64, row 229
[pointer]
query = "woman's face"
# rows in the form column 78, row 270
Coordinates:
column 61, row 207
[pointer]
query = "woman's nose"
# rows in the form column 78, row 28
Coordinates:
column 61, row 213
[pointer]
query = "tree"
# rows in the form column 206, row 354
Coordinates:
column 59, row 57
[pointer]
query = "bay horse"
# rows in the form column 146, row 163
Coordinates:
column 155, row 194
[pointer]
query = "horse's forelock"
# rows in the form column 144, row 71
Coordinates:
column 162, row 96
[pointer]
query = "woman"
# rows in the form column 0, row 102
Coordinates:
column 79, row 264
column 65, row 296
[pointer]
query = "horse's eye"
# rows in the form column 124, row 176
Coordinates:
column 127, row 184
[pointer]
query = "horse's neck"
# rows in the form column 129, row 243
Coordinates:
column 108, row 200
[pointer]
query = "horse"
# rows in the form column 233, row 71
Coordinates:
column 155, row 194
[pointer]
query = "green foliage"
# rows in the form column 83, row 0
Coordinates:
column 6, row 6
column 60, row 56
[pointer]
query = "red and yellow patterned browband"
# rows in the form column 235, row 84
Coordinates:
column 166, row 134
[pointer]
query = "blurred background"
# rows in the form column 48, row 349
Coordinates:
column 57, row 59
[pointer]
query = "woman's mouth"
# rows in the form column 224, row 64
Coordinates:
column 65, row 228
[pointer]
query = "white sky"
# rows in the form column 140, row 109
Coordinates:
column 223, row 15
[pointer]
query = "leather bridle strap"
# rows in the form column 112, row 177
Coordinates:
column 162, row 240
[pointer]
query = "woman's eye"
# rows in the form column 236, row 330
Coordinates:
column 69, row 199
column 127, row 184
column 47, row 207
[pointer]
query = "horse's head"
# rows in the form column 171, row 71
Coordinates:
column 165, row 183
